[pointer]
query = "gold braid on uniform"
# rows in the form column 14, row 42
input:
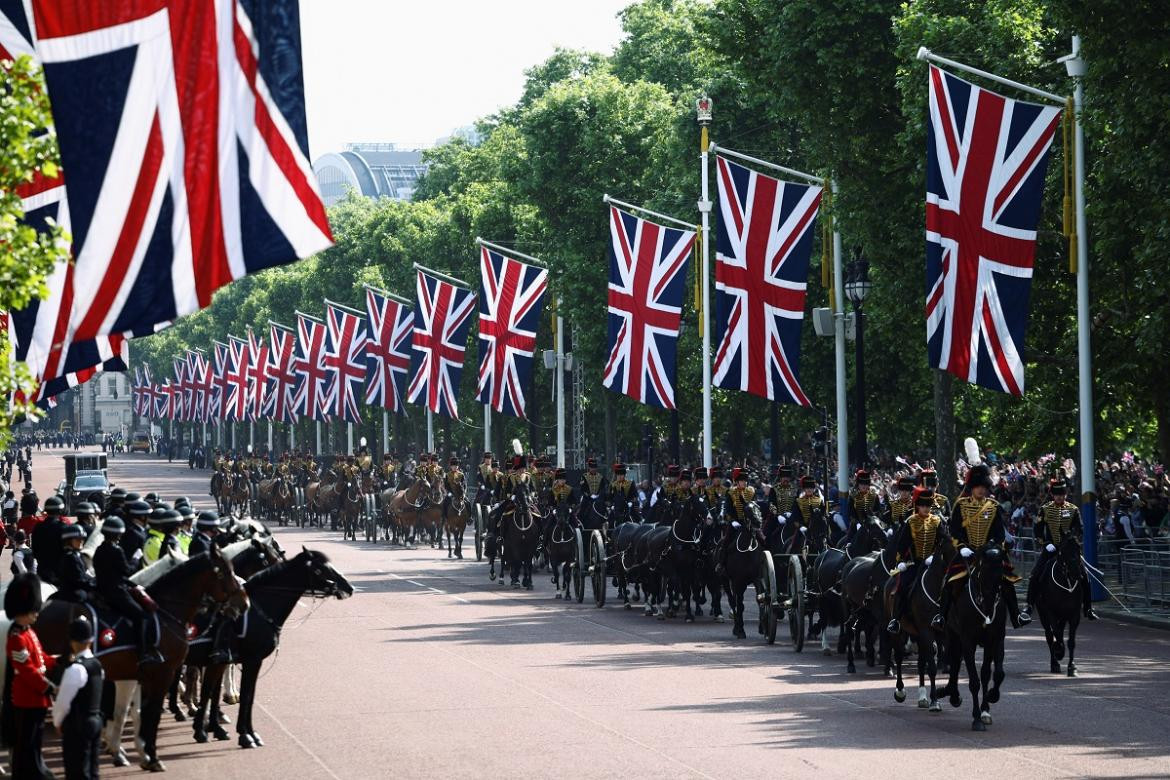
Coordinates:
column 561, row 493
column 977, row 519
column 900, row 509
column 807, row 504
column 783, row 498
column 594, row 483
column 924, row 533
column 865, row 500
column 739, row 498
column 1058, row 520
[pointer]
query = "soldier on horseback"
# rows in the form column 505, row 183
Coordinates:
column 453, row 480
column 1058, row 519
column 716, row 490
column 740, row 509
column 112, row 572
column 809, row 509
column 782, row 494
column 623, row 496
column 559, row 496
column 928, row 478
column 593, row 487
column 487, row 480
column 900, row 507
column 665, row 491
column 913, row 545
column 977, row 523
column 864, row 500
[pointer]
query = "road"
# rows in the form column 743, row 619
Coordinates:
column 430, row 670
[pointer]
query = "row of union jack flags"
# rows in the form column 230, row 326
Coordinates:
column 391, row 354
column 186, row 170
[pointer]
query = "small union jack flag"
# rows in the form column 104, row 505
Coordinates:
column 235, row 404
column 345, row 360
column 763, row 245
column 389, row 330
column 986, row 158
column 647, row 272
column 441, row 318
column 221, row 380
column 312, row 387
column 183, row 402
column 258, row 374
column 511, row 301
column 283, row 380
column 165, row 395
column 181, row 125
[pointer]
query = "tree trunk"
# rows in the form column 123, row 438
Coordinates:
column 737, row 433
column 944, row 433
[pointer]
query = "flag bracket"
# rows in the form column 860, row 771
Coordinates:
column 513, row 252
column 929, row 56
column 442, row 276
column 388, row 294
column 782, row 169
column 660, row 215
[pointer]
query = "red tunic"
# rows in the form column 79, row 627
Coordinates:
column 28, row 523
column 29, row 665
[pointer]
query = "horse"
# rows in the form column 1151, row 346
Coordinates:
column 326, row 498
column 272, row 595
column 349, row 506
column 744, row 562
column 862, row 581
column 222, row 488
column 521, row 538
column 924, row 605
column 458, row 510
column 708, row 579
column 628, row 537
column 674, row 555
column 406, row 507
column 179, row 593
column 977, row 618
column 1059, row 600
column 241, row 494
column 827, row 568
column 561, row 547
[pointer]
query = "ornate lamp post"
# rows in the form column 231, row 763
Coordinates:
column 857, row 287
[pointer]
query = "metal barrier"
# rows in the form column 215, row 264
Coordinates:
column 1136, row 572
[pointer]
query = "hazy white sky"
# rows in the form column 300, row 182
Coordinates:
column 413, row 71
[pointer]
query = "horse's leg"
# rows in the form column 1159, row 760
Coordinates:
column 737, row 624
column 1054, row 643
column 248, row 675
column 123, row 697
column 847, row 635
column 200, row 716
column 688, row 592
column 974, row 684
column 926, row 649
column 173, row 696
column 1073, row 624
column 214, row 680
column 990, row 692
column 153, row 695
column 899, row 685
column 450, row 546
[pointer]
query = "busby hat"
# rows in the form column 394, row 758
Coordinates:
column 23, row 595
column 923, row 496
column 453, row 461
column 80, row 629
column 517, row 462
column 487, row 456
column 979, row 476
column 684, row 475
column 784, row 471
column 71, row 532
column 559, row 474
column 716, row 472
column 737, row 474
column 808, row 481
column 619, row 468
column 927, row 476
column 862, row 477
column 672, row 471
column 1056, row 486
column 591, row 462
column 906, row 483
column 113, row 525
column 701, row 472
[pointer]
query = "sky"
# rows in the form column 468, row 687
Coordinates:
column 413, row 71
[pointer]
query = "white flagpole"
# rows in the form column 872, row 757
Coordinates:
column 487, row 427
column 318, row 423
column 270, row 436
column 560, row 385
column 252, row 434
column 349, row 438
column 385, row 432
column 292, row 436
column 839, row 354
column 430, row 431
column 704, row 269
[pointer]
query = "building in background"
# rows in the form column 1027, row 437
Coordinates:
column 381, row 170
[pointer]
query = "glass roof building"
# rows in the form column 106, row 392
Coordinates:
column 375, row 170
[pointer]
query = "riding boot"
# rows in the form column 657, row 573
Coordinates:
column 1034, row 583
column 939, row 621
column 901, row 607
column 721, row 553
column 1020, row 618
column 148, row 653
column 1087, row 599
column 220, row 654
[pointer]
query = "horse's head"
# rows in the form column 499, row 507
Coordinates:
column 987, row 574
column 869, row 536
column 1068, row 552
column 224, row 588
column 322, row 578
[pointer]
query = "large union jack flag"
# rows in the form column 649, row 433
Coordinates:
column 183, row 391
column 181, row 125
column 221, row 377
column 164, row 400
column 389, row 330
column 258, row 374
column 312, row 388
column 236, row 403
column 763, row 244
column 345, row 360
column 282, row 379
column 647, row 273
column 442, row 315
column 511, row 301
column 986, row 157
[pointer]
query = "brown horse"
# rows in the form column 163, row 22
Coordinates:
column 326, row 498
column 276, row 498
column 458, row 510
column 179, row 594
column 414, row 508
column 222, row 487
column 241, row 493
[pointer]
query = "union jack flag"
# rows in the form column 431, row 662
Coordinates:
column 165, row 396
column 39, row 329
column 258, row 374
column 235, row 403
column 345, row 360
column 138, row 391
column 149, row 394
column 763, row 244
column 312, row 388
column 202, row 385
column 986, row 158
column 188, row 167
column 442, row 315
column 647, row 272
column 221, row 380
column 389, row 328
column 283, row 381
column 183, row 391
column 511, row 301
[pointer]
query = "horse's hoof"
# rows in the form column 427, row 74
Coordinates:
column 1072, row 671
column 256, row 738
column 153, row 765
column 661, row 615
column 739, row 633
column 689, row 619
column 720, row 619
column 121, row 759
column 923, row 703
column 900, row 696
column 978, row 725
column 1058, row 651
column 628, row 605
column 698, row 612
column 200, row 737
column 827, row 650
column 220, row 735
column 985, row 718
column 992, row 697
column 851, row 669
column 956, row 700
column 558, row 596
column 223, row 718
column 179, row 716
column 246, row 742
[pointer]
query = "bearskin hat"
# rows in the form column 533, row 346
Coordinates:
column 905, row 483
column 23, row 595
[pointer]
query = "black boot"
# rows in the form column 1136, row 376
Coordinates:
column 219, row 651
column 148, row 653
column 1087, row 599
column 939, row 621
column 1020, row 617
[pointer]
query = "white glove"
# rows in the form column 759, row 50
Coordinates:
column 735, row 524
column 857, row 527
column 804, row 529
column 781, row 520
column 594, row 496
column 137, row 554
column 901, row 566
column 966, row 552
column 929, row 560
column 1050, row 547
column 889, row 532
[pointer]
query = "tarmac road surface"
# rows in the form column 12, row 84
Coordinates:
column 430, row 670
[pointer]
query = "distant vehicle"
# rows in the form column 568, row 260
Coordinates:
column 140, row 442
column 92, row 486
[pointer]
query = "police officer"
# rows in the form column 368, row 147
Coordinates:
column 74, row 582
column 46, row 540
column 206, row 529
column 112, row 569
column 77, row 709
column 86, row 512
column 134, row 538
column 163, row 535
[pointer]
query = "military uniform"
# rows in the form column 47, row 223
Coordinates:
column 783, row 494
column 623, row 495
column 716, row 491
column 901, row 507
column 453, row 480
column 911, row 545
column 594, row 486
column 1055, row 523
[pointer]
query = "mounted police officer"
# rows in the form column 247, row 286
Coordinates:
column 74, row 582
column 112, row 569
column 1057, row 519
column 163, row 535
column 207, row 528
column 914, row 543
column 133, row 540
column 46, row 540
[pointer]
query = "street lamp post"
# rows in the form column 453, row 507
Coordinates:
column 857, row 287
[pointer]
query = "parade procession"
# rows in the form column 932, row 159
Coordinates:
column 706, row 502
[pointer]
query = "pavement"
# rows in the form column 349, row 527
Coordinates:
column 430, row 670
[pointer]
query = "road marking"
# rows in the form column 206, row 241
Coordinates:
column 300, row 744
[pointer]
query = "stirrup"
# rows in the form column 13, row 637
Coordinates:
column 1022, row 619
column 894, row 626
column 151, row 657
column 938, row 621
column 1091, row 614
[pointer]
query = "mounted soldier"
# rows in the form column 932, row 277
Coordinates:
column 739, row 509
column 928, row 478
column 486, row 484
column 716, row 490
column 453, row 480
column 782, row 493
column 913, row 545
column 864, row 501
column 593, row 487
column 1057, row 520
column 977, row 524
column 665, row 491
column 902, row 505
column 623, row 495
column 809, row 511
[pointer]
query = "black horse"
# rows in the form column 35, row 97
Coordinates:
column 745, row 561
column 629, row 538
column 561, row 546
column 1059, row 601
column 827, row 568
column 521, row 532
column 672, row 558
column 926, row 592
column 272, row 595
column 977, row 617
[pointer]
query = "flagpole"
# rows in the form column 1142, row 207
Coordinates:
column 839, row 355
column 318, row 425
column 430, row 431
column 252, row 434
column 487, row 427
column 292, row 436
column 385, row 433
column 560, row 385
column 704, row 113
column 349, row 438
column 658, row 214
column 270, row 443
